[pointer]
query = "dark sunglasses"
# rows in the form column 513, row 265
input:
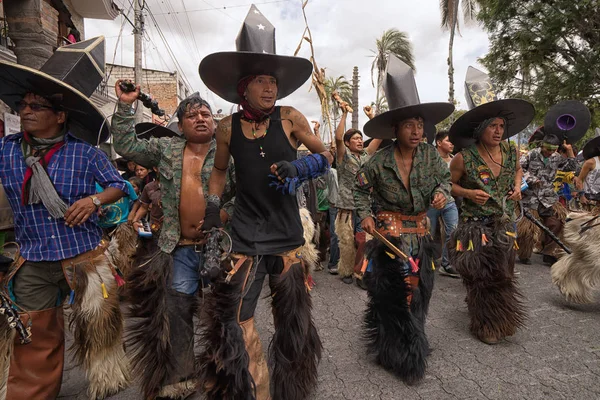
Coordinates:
column 35, row 107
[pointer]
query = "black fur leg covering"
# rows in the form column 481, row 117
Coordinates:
column 223, row 364
column 395, row 335
column 295, row 350
column 494, row 302
column 148, row 336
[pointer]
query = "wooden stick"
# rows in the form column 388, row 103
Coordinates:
column 336, row 97
column 393, row 248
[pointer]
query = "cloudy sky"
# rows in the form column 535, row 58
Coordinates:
column 344, row 33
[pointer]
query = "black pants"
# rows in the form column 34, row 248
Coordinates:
column 270, row 265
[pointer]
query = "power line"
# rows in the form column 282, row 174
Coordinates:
column 225, row 7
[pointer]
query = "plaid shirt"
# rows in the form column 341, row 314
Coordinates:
column 74, row 170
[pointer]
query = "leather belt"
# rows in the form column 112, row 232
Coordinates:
column 392, row 223
column 191, row 242
column 88, row 255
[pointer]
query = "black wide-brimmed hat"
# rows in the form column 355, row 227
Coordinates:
column 592, row 147
column 569, row 120
column 73, row 73
column 221, row 72
column 146, row 130
column 402, row 96
column 480, row 94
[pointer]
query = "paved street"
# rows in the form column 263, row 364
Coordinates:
column 557, row 355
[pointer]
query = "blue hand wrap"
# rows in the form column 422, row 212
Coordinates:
column 309, row 167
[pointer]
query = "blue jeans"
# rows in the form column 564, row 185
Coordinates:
column 449, row 215
column 186, row 269
column 334, row 248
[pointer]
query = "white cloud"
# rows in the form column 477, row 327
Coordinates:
column 344, row 33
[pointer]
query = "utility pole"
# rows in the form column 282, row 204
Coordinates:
column 137, row 40
column 355, row 98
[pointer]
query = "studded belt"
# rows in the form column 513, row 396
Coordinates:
column 393, row 223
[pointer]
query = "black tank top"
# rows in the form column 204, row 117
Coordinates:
column 265, row 221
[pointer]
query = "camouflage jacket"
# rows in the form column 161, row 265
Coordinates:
column 167, row 155
column 539, row 173
column 347, row 168
column 380, row 179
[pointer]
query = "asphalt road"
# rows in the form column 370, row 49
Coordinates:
column 556, row 356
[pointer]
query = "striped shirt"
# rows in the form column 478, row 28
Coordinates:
column 74, row 169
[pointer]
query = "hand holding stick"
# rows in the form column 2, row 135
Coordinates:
column 342, row 104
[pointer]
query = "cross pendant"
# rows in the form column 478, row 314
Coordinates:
column 262, row 154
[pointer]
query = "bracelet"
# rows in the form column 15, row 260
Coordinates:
column 214, row 199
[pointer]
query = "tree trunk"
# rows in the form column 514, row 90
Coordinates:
column 355, row 98
column 450, row 60
column 377, row 96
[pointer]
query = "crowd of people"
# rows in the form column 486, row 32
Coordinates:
column 209, row 210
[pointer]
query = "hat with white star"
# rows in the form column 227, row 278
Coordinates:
column 255, row 55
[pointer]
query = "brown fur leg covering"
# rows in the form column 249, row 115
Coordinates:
column 493, row 300
column 7, row 337
column 528, row 234
column 295, row 350
column 148, row 336
column 223, row 364
column 344, row 228
column 97, row 326
column 578, row 274
column 395, row 334
column 310, row 254
column 123, row 247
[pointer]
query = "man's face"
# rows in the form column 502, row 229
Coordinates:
column 38, row 117
column 493, row 134
column 355, row 144
column 198, row 125
column 261, row 92
column 409, row 132
column 445, row 145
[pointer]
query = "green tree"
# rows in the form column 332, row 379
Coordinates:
column 344, row 89
column 391, row 42
column 449, row 10
column 544, row 51
column 447, row 123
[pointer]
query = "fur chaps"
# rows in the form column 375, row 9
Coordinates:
column 578, row 274
column 148, row 336
column 487, row 268
column 123, row 247
column 395, row 330
column 528, row 235
column 223, row 364
column 310, row 254
column 97, row 327
column 295, row 349
column 344, row 228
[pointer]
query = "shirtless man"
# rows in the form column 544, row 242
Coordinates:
column 184, row 165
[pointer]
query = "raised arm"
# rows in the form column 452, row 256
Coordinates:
column 145, row 152
column 375, row 143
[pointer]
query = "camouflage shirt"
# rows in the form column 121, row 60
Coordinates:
column 380, row 178
column 539, row 173
column 167, row 155
column 347, row 168
column 479, row 176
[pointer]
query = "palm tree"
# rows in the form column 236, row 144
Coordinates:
column 449, row 9
column 343, row 88
column 391, row 42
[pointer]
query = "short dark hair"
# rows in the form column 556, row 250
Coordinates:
column 134, row 180
column 190, row 102
column 441, row 135
column 351, row 132
column 552, row 139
